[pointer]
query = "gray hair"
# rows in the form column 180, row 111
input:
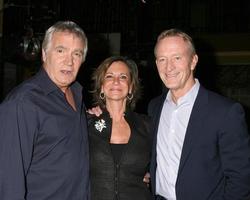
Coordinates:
column 176, row 32
column 65, row 26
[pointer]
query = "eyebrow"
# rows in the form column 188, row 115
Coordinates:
column 63, row 47
column 60, row 47
column 123, row 73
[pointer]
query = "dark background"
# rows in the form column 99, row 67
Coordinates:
column 221, row 31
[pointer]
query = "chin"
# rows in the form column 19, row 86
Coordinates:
column 171, row 86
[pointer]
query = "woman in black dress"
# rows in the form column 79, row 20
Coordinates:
column 119, row 138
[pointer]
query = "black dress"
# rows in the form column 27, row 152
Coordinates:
column 120, row 178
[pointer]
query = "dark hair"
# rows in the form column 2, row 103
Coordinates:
column 65, row 26
column 176, row 32
column 99, row 74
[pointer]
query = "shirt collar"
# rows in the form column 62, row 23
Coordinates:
column 189, row 97
column 48, row 86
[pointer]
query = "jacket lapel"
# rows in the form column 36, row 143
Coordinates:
column 194, row 126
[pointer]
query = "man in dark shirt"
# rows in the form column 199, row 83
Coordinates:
column 43, row 133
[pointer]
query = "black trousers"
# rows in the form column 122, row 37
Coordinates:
column 158, row 197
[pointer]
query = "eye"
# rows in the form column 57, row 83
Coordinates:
column 59, row 50
column 161, row 60
column 123, row 77
column 78, row 54
column 108, row 76
column 177, row 57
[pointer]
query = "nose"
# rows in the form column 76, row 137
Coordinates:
column 116, row 80
column 170, row 66
column 69, row 59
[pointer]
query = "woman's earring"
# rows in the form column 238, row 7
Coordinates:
column 102, row 96
column 130, row 96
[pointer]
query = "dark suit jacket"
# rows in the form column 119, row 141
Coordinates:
column 215, row 160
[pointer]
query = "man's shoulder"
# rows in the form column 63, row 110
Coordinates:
column 157, row 100
column 24, row 90
column 20, row 96
column 217, row 103
column 218, row 99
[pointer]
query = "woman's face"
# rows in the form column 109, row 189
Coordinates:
column 117, row 82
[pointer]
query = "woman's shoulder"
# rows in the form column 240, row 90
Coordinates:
column 140, row 119
column 139, row 116
column 143, row 124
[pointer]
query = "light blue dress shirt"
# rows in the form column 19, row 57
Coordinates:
column 171, row 134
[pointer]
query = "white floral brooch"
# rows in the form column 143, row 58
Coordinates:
column 100, row 124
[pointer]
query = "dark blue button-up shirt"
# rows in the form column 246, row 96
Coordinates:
column 43, row 143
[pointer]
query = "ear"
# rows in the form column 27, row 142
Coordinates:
column 156, row 62
column 43, row 55
column 194, row 62
column 102, row 89
column 130, row 89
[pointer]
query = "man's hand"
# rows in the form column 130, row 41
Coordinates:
column 146, row 178
column 97, row 111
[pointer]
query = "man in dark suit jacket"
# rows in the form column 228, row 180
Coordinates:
column 201, row 149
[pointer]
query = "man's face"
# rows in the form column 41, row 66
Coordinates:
column 175, row 64
column 63, row 58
